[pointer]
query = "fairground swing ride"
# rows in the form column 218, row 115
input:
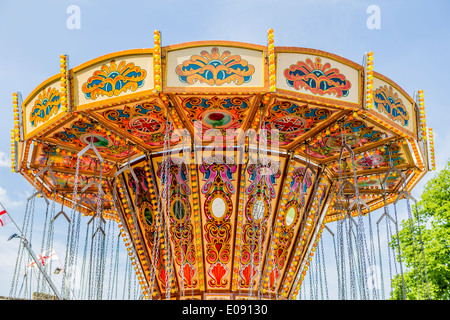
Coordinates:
column 221, row 164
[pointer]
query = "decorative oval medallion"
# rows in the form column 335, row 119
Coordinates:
column 146, row 125
column 98, row 140
column 370, row 161
column 218, row 207
column 148, row 216
column 290, row 216
column 289, row 124
column 258, row 209
column 218, row 118
column 336, row 141
column 178, row 209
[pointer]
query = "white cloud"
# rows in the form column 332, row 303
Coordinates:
column 442, row 152
column 4, row 160
column 7, row 201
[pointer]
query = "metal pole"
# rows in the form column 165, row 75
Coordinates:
column 47, row 278
column 30, row 251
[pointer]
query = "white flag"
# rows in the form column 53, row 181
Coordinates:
column 4, row 217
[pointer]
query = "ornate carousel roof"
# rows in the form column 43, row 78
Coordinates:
column 221, row 161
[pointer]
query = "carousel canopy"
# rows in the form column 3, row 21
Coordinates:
column 221, row 161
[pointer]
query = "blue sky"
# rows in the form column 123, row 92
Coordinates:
column 411, row 48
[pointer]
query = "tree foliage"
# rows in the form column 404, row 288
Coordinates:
column 425, row 244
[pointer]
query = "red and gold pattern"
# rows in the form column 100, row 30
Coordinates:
column 219, row 117
column 263, row 179
column 298, row 188
column 176, row 197
column 145, row 121
column 149, row 221
column 65, row 160
column 217, row 190
column 318, row 78
column 293, row 120
column 79, row 133
column 355, row 133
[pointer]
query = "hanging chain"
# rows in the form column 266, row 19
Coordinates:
column 181, row 228
column 101, row 239
column 83, row 267
column 40, row 280
column 70, row 234
column 338, row 248
column 398, row 240
column 189, row 173
column 381, row 263
column 168, row 251
column 111, row 264
column 27, row 231
column 388, row 238
column 162, row 208
column 244, row 204
column 350, row 257
column 19, row 259
column 339, row 277
column 127, row 262
column 116, row 269
column 341, row 223
column 322, row 251
column 51, row 231
column 319, row 270
column 156, row 234
column 361, row 246
column 254, row 223
column 372, row 251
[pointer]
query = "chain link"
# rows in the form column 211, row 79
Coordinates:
column 381, row 263
column 322, row 251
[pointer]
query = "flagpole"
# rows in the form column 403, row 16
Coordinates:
column 1, row 204
column 31, row 252
column 47, row 278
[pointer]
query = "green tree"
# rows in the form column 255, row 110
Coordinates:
column 425, row 251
